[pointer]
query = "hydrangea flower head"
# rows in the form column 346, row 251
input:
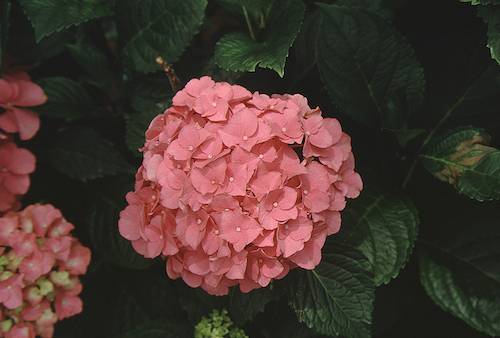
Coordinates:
column 16, row 164
column 40, row 265
column 17, row 92
column 238, row 188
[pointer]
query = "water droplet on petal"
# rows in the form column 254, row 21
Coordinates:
column 238, row 229
column 275, row 204
column 231, row 179
column 245, row 138
column 198, row 221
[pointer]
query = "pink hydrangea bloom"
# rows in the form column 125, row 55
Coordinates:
column 41, row 263
column 17, row 92
column 238, row 188
column 15, row 166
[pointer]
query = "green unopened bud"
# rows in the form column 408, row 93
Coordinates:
column 60, row 278
column 5, row 275
column 14, row 261
column 6, row 325
column 46, row 286
column 4, row 260
column 33, row 295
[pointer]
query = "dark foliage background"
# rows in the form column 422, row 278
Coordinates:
column 390, row 70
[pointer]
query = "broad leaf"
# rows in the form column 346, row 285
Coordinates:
column 105, row 237
column 384, row 228
column 304, row 49
column 369, row 70
column 463, row 158
column 491, row 15
column 239, row 52
column 336, row 298
column 94, row 62
column 84, row 155
column 243, row 307
column 4, row 30
column 67, row 99
column 49, row 16
column 148, row 96
column 463, row 276
column 137, row 123
column 161, row 28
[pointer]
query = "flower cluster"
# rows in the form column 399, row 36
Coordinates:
column 16, row 93
column 39, row 267
column 238, row 188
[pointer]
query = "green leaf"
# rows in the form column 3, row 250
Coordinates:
column 491, row 15
column 239, row 52
column 243, row 307
column 384, row 228
column 49, row 16
column 137, row 123
column 304, row 49
column 463, row 276
column 4, row 30
column 103, row 229
column 336, row 298
column 369, row 70
column 84, row 155
column 94, row 62
column 67, row 99
column 161, row 28
column 463, row 158
column 148, row 96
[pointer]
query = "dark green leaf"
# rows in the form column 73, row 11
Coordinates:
column 304, row 49
column 161, row 28
column 463, row 158
column 243, row 307
column 370, row 71
column 137, row 123
column 67, row 99
column 49, row 16
column 84, row 155
column 4, row 30
column 491, row 15
column 239, row 52
column 384, row 228
column 336, row 298
column 94, row 62
column 105, row 237
column 463, row 276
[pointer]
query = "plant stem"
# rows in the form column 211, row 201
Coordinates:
column 174, row 80
column 249, row 23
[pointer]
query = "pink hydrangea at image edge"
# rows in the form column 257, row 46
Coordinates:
column 17, row 92
column 223, row 195
column 40, row 264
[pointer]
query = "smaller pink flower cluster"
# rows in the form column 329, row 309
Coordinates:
column 40, row 262
column 223, row 193
column 16, row 93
